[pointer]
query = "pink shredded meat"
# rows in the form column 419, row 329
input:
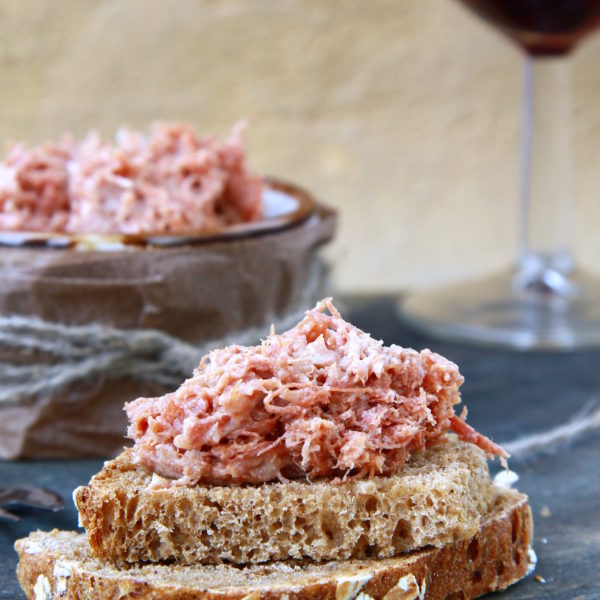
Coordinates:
column 169, row 182
column 322, row 399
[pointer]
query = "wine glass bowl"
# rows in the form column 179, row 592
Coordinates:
column 541, row 27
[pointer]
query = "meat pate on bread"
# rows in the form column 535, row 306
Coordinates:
column 318, row 464
column 323, row 399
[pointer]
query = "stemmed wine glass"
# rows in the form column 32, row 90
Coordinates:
column 544, row 302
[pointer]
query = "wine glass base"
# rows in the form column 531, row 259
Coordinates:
column 548, row 311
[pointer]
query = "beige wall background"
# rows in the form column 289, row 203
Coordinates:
column 403, row 113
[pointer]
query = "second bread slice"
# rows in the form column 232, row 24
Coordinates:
column 438, row 498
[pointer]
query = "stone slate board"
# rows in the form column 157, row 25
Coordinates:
column 509, row 394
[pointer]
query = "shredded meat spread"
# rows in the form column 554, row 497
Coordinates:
column 322, row 399
column 169, row 182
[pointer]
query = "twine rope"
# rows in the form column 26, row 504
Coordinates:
column 91, row 352
column 47, row 358
column 586, row 420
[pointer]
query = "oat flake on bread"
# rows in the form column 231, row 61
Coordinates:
column 322, row 399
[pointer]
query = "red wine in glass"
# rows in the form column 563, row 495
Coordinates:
column 541, row 27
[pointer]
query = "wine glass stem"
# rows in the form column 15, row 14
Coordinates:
column 546, row 168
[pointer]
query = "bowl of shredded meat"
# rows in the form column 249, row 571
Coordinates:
column 119, row 256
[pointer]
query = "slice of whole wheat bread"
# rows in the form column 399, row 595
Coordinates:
column 60, row 565
column 439, row 497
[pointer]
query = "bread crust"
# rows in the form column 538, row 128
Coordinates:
column 439, row 497
column 61, row 565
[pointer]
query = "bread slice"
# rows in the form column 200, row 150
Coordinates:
column 60, row 565
column 439, row 497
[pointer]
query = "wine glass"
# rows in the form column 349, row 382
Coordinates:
column 544, row 301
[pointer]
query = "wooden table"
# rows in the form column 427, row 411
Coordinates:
column 509, row 395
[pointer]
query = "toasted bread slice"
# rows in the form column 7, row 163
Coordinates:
column 60, row 565
column 439, row 497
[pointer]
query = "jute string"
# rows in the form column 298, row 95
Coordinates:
column 588, row 419
column 41, row 357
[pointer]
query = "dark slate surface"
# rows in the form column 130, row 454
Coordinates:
column 508, row 394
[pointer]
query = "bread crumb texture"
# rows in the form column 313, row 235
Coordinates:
column 439, row 497
column 62, row 566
